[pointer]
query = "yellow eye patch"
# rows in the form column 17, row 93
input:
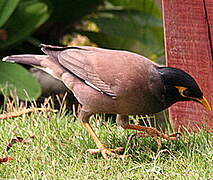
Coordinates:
column 181, row 89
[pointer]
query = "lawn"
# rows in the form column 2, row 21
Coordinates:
column 54, row 147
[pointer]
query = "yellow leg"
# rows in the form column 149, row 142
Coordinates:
column 101, row 148
column 94, row 136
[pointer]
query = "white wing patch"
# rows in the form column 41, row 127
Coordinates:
column 93, row 86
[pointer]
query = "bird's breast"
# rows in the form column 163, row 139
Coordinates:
column 142, row 104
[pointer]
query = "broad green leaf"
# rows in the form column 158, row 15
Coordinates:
column 119, row 42
column 147, row 6
column 131, row 30
column 6, row 9
column 137, row 16
column 27, row 17
column 134, row 25
column 15, row 78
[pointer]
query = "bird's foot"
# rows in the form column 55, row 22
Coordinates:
column 152, row 132
column 108, row 153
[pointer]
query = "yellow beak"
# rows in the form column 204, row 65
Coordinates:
column 205, row 103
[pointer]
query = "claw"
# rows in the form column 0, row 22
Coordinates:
column 93, row 151
column 131, row 137
column 158, row 141
column 176, row 135
column 156, row 135
column 109, row 153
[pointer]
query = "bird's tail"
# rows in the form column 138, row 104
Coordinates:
column 26, row 59
column 43, row 62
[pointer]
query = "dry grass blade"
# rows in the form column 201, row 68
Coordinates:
column 24, row 111
column 14, row 108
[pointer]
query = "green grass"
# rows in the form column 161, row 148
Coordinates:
column 58, row 151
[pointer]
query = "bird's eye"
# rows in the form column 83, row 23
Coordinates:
column 187, row 93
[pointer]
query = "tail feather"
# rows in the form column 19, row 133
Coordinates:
column 43, row 62
column 26, row 59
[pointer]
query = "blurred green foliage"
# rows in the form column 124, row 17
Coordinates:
column 134, row 25
column 131, row 25
column 26, row 18
column 10, row 80
column 6, row 9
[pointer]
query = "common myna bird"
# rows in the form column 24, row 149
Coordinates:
column 115, row 81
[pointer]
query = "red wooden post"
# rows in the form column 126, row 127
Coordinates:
column 188, row 28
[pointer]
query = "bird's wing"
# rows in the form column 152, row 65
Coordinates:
column 78, row 62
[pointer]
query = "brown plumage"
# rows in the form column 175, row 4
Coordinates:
column 120, row 82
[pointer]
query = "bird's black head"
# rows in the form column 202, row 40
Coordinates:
column 180, row 86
